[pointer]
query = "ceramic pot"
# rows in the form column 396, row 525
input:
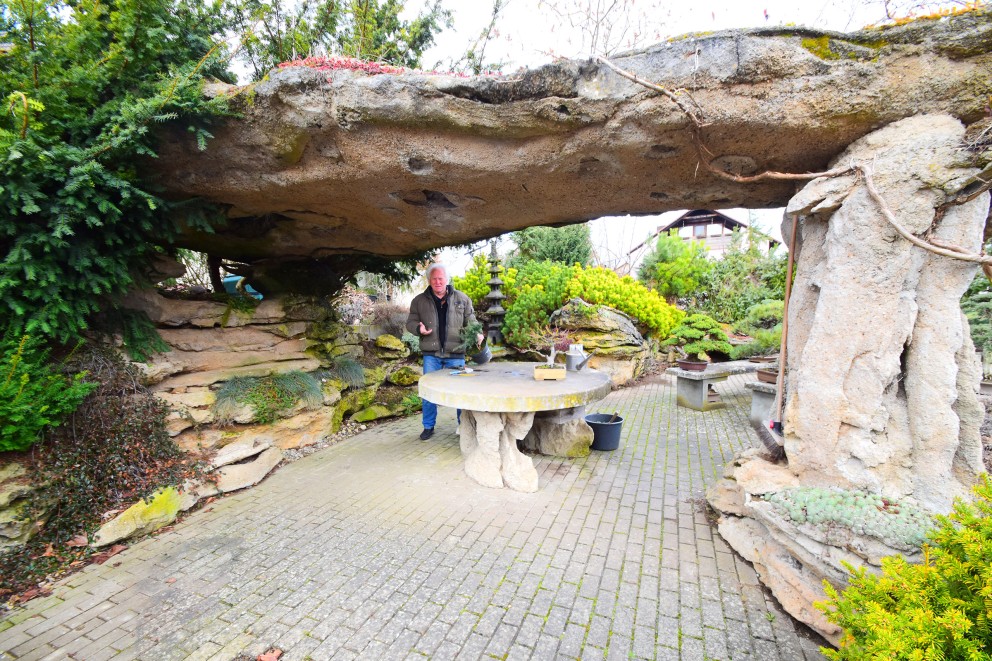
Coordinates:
column 768, row 376
column 693, row 365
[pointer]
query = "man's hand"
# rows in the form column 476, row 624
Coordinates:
column 479, row 338
column 424, row 330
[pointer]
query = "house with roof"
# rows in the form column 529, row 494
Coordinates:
column 711, row 228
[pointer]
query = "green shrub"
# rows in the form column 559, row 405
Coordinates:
column 32, row 395
column 601, row 286
column 765, row 315
column 741, row 278
column 564, row 245
column 977, row 306
column 541, row 288
column 674, row 267
column 267, row 395
column 698, row 335
column 763, row 322
column 763, row 342
column 938, row 609
column 474, row 283
column 411, row 340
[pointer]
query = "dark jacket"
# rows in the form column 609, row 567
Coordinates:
column 460, row 314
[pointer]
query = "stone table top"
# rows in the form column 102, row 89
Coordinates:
column 715, row 370
column 511, row 387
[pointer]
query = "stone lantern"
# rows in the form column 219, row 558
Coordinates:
column 494, row 330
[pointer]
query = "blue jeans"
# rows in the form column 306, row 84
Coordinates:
column 433, row 364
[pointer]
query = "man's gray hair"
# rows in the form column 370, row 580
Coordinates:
column 435, row 267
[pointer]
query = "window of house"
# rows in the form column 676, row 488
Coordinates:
column 699, row 231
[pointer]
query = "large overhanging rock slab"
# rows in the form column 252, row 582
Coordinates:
column 323, row 164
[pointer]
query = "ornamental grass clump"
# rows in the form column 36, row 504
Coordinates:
column 267, row 396
column 899, row 525
column 938, row 609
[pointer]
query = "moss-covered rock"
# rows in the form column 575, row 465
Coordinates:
column 407, row 375
column 376, row 375
column 390, row 347
column 374, row 412
column 143, row 517
column 351, row 402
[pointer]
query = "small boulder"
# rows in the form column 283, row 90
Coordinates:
column 406, row 375
column 143, row 517
column 240, row 450
column 610, row 335
column 374, row 412
column 389, row 347
column 239, row 476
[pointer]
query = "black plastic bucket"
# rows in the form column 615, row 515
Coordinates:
column 605, row 434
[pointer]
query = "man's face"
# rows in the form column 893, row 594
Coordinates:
column 439, row 282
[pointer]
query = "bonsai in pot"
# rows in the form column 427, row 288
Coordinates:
column 475, row 351
column 553, row 340
column 696, row 337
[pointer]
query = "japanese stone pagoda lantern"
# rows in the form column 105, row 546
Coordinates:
column 494, row 330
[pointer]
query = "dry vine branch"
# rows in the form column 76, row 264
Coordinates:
column 965, row 194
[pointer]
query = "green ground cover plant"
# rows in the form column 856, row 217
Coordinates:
column 33, row 395
column 937, row 610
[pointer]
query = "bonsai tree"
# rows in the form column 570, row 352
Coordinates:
column 550, row 339
column 469, row 334
column 697, row 335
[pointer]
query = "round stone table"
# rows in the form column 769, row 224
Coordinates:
column 498, row 402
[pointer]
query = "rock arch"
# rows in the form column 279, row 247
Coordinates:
column 324, row 169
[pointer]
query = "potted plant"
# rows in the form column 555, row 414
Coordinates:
column 696, row 336
column 552, row 340
column 477, row 353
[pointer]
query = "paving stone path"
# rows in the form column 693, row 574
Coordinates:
column 381, row 548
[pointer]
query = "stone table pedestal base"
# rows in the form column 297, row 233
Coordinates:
column 489, row 445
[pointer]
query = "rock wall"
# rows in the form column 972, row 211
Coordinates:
column 882, row 376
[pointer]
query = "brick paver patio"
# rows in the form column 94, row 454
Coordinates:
column 381, row 548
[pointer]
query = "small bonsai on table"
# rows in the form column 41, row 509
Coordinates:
column 553, row 340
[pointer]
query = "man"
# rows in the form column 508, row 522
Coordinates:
column 438, row 315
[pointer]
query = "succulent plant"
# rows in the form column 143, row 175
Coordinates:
column 896, row 524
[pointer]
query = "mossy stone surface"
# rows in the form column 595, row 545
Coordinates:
column 405, row 376
column 143, row 517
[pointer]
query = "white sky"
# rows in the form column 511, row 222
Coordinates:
column 531, row 33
